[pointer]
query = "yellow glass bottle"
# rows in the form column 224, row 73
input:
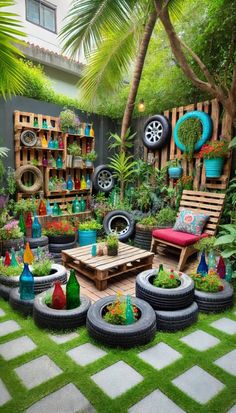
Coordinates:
column 92, row 131
column 28, row 255
column 44, row 142
column 83, row 183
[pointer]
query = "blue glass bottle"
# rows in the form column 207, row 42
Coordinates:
column 59, row 162
column 87, row 130
column 51, row 144
column 36, row 228
column 229, row 271
column 63, row 185
column 48, row 208
column 88, row 182
column 69, row 184
column 202, row 267
column 94, row 250
column 26, row 284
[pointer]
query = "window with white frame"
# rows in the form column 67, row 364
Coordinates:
column 41, row 13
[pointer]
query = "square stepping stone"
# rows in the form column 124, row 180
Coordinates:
column 199, row 340
column 17, row 347
column 117, row 379
column 232, row 410
column 9, row 326
column 86, row 354
column 68, row 399
column 228, row 362
column 155, row 402
column 37, row 371
column 226, row 325
column 2, row 313
column 198, row 384
column 63, row 338
column 160, row 356
column 4, row 395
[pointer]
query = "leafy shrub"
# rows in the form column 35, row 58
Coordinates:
column 74, row 149
column 25, row 205
column 116, row 312
column 205, row 244
column 11, row 271
column 112, row 240
column 166, row 217
column 11, row 231
column 166, row 279
column 190, row 132
column 210, row 283
column 149, row 221
column 90, row 225
column 58, row 228
column 41, row 268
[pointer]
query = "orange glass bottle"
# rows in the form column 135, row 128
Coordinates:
column 42, row 210
column 28, row 255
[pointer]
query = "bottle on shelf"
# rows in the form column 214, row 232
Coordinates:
column 92, row 131
column 45, row 161
column 87, row 203
column 88, row 182
column 48, row 208
column 63, row 184
column 87, row 130
column 69, row 184
column 22, row 224
column 36, row 228
column 51, row 144
column 51, row 185
column 44, row 142
column 82, row 204
column 45, row 124
column 56, row 144
column 82, row 129
column 55, row 209
column 83, row 183
column 61, row 144
column 72, row 292
column 28, row 225
column 51, row 160
column 88, row 146
column 26, row 284
column 76, row 207
column 77, row 184
column 42, row 210
column 36, row 124
column 59, row 162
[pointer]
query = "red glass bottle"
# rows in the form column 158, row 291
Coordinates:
column 42, row 210
column 61, row 145
column 28, row 224
column 221, row 270
column 77, row 184
column 58, row 297
column 7, row 261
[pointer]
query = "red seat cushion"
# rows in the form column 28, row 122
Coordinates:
column 177, row 237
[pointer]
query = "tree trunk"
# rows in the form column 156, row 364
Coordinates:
column 122, row 190
column 137, row 75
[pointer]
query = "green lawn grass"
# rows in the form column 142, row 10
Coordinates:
column 153, row 379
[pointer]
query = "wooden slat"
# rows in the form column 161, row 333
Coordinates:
column 202, row 210
column 172, row 143
column 201, row 199
column 191, row 204
column 204, row 194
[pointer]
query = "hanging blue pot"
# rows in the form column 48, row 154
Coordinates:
column 175, row 172
column 214, row 167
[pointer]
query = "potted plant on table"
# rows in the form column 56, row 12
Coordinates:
column 112, row 244
column 74, row 150
column 88, row 232
column 11, row 236
column 89, row 158
column 213, row 155
column 60, row 232
column 68, row 121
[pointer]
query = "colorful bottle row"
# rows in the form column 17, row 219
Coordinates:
column 52, row 144
column 60, row 184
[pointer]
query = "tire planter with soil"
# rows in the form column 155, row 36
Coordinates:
column 7, row 245
column 143, row 236
column 136, row 334
column 49, row 318
column 25, row 307
column 102, row 179
column 37, row 242
column 61, row 239
column 164, row 298
column 57, row 248
column 157, row 132
column 215, row 302
column 121, row 222
column 58, row 273
column 177, row 319
column 38, row 178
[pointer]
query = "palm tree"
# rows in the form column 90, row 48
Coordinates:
column 11, row 77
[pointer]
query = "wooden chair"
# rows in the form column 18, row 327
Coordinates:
column 209, row 203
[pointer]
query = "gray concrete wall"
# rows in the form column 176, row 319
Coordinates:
column 102, row 125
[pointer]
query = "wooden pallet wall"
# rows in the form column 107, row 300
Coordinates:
column 222, row 125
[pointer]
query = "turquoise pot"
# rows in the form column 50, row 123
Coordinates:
column 87, row 237
column 214, row 167
column 175, row 172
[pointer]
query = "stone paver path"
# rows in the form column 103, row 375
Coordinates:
column 4, row 394
column 228, row 362
column 154, row 403
column 86, row 354
column 7, row 327
column 226, row 325
column 17, row 347
column 63, row 338
column 2, row 313
column 200, row 340
column 160, row 356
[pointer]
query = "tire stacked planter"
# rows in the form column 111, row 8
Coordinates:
column 34, row 243
column 7, row 245
column 174, row 307
column 215, row 302
column 143, row 236
column 59, row 243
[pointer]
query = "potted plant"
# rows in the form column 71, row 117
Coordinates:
column 213, row 155
column 11, row 237
column 112, row 244
column 189, row 133
column 165, row 218
column 88, row 232
column 74, row 150
column 89, row 158
column 60, row 232
column 23, row 206
column 175, row 169
column 68, row 121
column 143, row 232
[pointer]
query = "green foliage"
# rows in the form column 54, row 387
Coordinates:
column 90, row 225
column 74, row 149
column 67, row 119
column 123, row 167
column 229, row 211
column 91, row 156
column 25, row 205
column 116, row 312
column 11, row 271
column 149, row 221
column 117, row 142
column 210, row 283
column 206, row 244
column 112, row 240
column 166, row 217
column 41, row 268
column 166, row 279
column 227, row 241
column 10, row 230
column 189, row 133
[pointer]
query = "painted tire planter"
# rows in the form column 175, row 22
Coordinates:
column 58, row 273
column 57, row 248
column 175, row 172
column 5, row 292
column 7, row 245
column 121, row 222
column 164, row 298
column 143, row 236
column 214, row 167
column 37, row 242
column 49, row 318
column 157, row 132
column 215, row 302
column 25, row 307
column 177, row 319
column 139, row 333
column 103, row 179
column 87, row 237
column 61, row 239
column 206, row 122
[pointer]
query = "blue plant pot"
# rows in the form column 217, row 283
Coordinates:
column 175, row 172
column 87, row 237
column 213, row 167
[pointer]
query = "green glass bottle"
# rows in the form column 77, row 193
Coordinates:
column 72, row 292
column 55, row 209
column 82, row 204
column 76, row 208
column 129, row 312
column 22, row 224
column 14, row 262
column 160, row 269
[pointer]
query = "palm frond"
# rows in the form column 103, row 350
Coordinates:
column 3, row 151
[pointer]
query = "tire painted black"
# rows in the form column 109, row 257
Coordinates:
column 4, row 292
column 57, row 248
column 164, row 298
column 25, row 307
column 139, row 333
column 102, row 179
column 124, row 217
column 157, row 132
column 177, row 319
column 49, row 318
column 61, row 239
column 37, row 242
column 215, row 302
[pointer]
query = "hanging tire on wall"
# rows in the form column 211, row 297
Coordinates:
column 28, row 138
column 102, row 179
column 157, row 132
column 38, row 178
column 120, row 222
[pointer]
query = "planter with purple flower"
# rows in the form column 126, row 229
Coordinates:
column 11, row 237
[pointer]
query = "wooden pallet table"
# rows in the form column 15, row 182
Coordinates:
column 101, row 269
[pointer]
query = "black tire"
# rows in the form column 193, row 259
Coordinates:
column 122, row 217
column 164, row 298
column 28, row 138
column 59, row 319
column 143, row 237
column 61, row 239
column 4, row 292
column 215, row 302
column 178, row 319
column 37, row 242
column 157, row 132
column 102, row 179
column 25, row 307
column 7, row 245
column 139, row 333
column 57, row 248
